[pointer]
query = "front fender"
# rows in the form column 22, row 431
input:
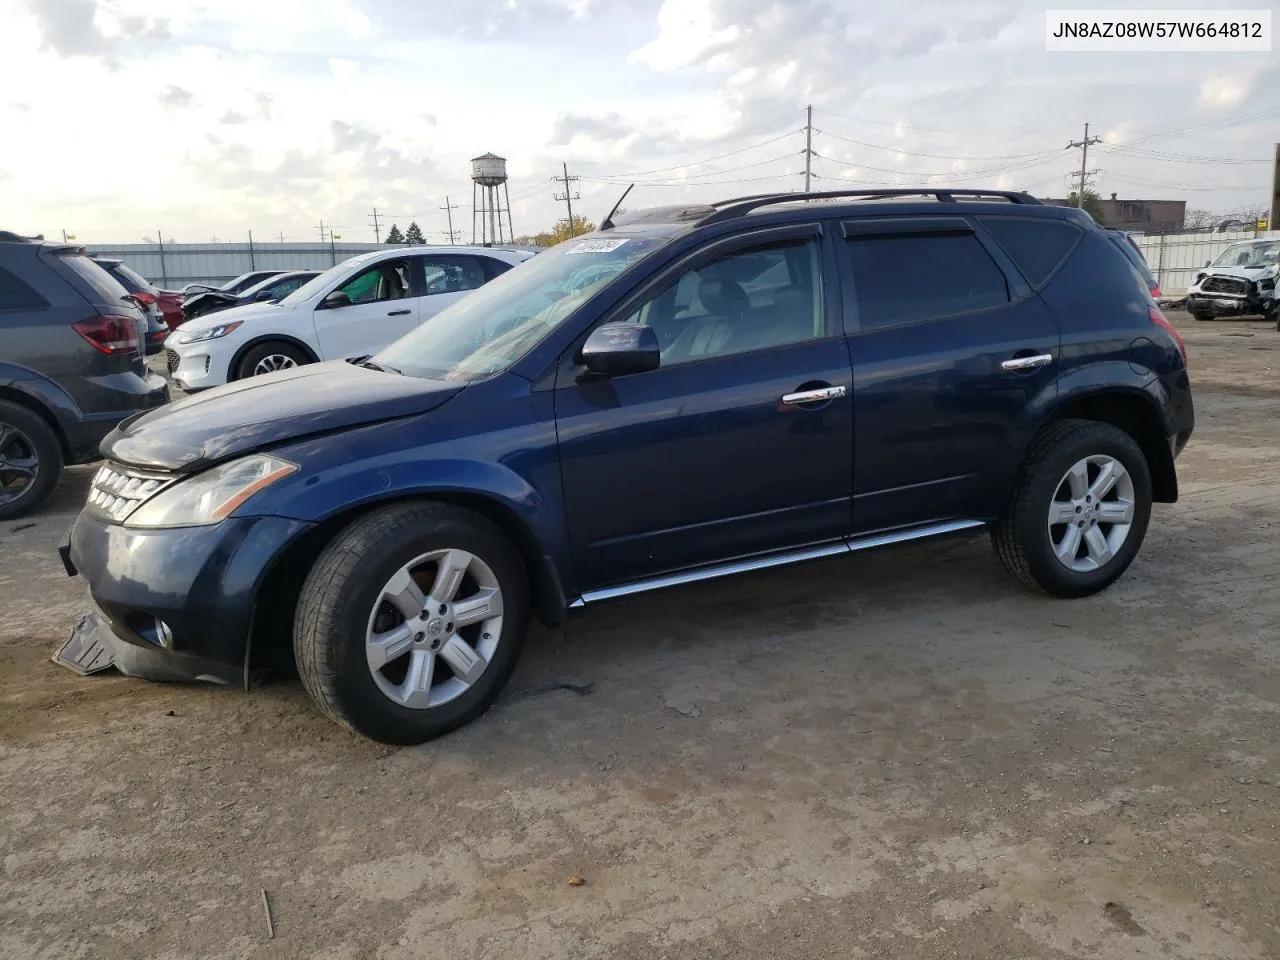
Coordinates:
column 493, row 446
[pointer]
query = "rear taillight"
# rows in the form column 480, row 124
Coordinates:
column 1155, row 292
column 114, row 336
column 145, row 298
column 1161, row 321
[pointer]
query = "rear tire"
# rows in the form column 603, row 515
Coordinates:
column 1079, row 509
column 31, row 451
column 1195, row 315
column 366, row 655
column 269, row 357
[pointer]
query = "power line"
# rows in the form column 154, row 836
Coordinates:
column 948, row 174
column 694, row 163
column 932, row 156
column 966, row 132
column 1139, row 153
column 695, row 183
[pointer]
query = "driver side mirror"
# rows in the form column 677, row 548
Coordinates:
column 1207, row 262
column 617, row 349
column 263, row 295
column 335, row 299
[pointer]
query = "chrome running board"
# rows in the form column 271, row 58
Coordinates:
column 774, row 560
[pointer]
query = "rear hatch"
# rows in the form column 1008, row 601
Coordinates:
column 114, row 325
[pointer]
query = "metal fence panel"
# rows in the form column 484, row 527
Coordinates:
column 172, row 266
column 1175, row 258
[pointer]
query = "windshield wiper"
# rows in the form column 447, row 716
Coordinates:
column 380, row 367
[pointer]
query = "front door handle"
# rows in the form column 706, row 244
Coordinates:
column 814, row 396
column 399, row 313
column 1027, row 363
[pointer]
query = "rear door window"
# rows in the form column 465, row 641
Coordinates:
column 448, row 273
column 923, row 276
column 1036, row 247
column 16, row 295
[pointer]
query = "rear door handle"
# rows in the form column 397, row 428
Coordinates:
column 399, row 313
column 1027, row 363
column 814, row 396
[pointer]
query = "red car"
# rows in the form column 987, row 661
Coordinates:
column 170, row 304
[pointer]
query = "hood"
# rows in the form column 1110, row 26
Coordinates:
column 248, row 415
column 1242, row 273
column 245, row 311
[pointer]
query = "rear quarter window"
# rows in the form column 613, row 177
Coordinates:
column 16, row 295
column 102, row 288
column 1036, row 247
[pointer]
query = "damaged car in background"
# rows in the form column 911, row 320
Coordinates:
column 1241, row 282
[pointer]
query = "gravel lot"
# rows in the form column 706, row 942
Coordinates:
column 900, row 755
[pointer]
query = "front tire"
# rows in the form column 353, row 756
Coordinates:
column 30, row 460
column 1079, row 510
column 1198, row 315
column 411, row 622
column 269, row 357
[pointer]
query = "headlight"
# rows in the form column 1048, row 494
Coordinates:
column 210, row 497
column 213, row 333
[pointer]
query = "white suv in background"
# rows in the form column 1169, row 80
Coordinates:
column 352, row 310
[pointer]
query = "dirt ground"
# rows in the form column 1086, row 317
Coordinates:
column 900, row 754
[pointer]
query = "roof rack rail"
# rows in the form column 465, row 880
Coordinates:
column 740, row 206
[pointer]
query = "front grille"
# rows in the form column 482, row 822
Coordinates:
column 117, row 491
column 171, row 359
column 1232, row 285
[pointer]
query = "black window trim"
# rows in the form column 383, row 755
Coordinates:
column 1071, row 249
column 938, row 225
column 566, row 365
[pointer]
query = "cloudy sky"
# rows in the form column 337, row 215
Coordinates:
column 204, row 119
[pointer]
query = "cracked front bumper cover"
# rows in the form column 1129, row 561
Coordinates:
column 93, row 647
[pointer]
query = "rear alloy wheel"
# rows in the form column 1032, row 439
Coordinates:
column 270, row 357
column 411, row 622
column 1079, row 511
column 30, row 460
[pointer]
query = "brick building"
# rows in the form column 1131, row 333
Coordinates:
column 1146, row 216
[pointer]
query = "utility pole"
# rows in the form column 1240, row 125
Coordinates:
column 448, row 208
column 377, row 235
column 808, row 146
column 1084, row 161
column 252, row 265
column 321, row 228
column 333, row 253
column 568, row 196
column 282, row 236
column 164, row 270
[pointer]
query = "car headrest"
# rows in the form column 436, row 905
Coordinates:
column 723, row 298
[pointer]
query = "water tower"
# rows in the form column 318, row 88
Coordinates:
column 488, row 176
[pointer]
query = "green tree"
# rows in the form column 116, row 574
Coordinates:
column 557, row 234
column 413, row 235
column 394, row 235
column 1092, row 206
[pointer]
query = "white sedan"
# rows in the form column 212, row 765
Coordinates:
column 352, row 310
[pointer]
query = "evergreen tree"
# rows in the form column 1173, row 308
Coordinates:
column 414, row 235
column 394, row 235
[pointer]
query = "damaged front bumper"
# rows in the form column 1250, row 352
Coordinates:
column 93, row 647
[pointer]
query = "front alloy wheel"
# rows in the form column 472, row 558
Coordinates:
column 427, row 649
column 411, row 621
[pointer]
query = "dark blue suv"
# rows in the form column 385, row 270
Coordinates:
column 688, row 393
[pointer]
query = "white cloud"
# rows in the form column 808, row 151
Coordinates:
column 343, row 69
column 686, row 31
column 1226, row 89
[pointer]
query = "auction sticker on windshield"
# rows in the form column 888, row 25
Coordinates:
column 596, row 246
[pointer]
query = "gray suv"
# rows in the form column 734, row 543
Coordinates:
column 72, row 365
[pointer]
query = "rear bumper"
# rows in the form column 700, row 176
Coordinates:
column 184, row 596
column 128, row 394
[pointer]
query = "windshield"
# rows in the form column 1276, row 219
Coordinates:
column 487, row 331
column 1250, row 255
column 316, row 284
